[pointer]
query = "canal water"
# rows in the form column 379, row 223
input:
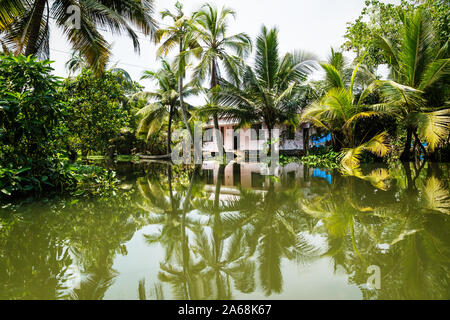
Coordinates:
column 231, row 232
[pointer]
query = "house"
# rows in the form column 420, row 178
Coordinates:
column 246, row 140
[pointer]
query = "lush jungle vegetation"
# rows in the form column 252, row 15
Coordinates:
column 46, row 123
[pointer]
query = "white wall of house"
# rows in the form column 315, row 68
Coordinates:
column 245, row 141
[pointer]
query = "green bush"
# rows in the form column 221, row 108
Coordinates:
column 32, row 135
column 30, row 110
column 323, row 157
column 98, row 110
column 56, row 176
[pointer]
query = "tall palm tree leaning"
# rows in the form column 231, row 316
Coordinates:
column 418, row 67
column 211, row 27
column 181, row 33
column 163, row 103
column 270, row 91
column 25, row 25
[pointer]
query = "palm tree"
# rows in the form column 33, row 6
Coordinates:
column 270, row 91
column 181, row 34
column 339, row 72
column 339, row 110
column 75, row 63
column 162, row 104
column 216, row 43
column 418, row 67
column 25, row 25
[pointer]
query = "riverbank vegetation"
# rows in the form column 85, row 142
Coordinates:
column 46, row 123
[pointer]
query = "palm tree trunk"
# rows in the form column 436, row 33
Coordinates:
column 270, row 135
column 306, row 140
column 269, row 141
column 214, row 83
column 180, row 92
column 169, row 131
column 219, row 139
column 419, row 143
column 34, row 27
column 406, row 155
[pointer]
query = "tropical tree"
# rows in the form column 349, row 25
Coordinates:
column 30, row 111
column 419, row 70
column 339, row 72
column 25, row 25
column 180, row 33
column 76, row 63
column 98, row 109
column 211, row 27
column 381, row 18
column 338, row 112
column 163, row 103
column 267, row 92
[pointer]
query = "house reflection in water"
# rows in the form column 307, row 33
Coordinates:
column 250, row 175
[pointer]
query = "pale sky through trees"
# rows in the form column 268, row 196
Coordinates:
column 311, row 25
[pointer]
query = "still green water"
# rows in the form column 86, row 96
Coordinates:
column 228, row 232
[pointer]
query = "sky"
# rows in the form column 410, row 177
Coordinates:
column 311, row 25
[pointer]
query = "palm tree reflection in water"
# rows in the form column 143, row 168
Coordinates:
column 223, row 238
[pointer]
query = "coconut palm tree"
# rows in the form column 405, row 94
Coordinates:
column 25, row 25
column 339, row 72
column 211, row 28
column 418, row 66
column 162, row 104
column 268, row 92
column 339, row 110
column 181, row 34
column 75, row 63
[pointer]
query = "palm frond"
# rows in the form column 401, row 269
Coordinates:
column 433, row 72
column 351, row 157
column 433, row 127
column 436, row 197
column 333, row 76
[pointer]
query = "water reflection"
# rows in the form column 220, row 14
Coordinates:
column 230, row 232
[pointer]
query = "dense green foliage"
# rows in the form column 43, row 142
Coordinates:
column 30, row 109
column 385, row 19
column 98, row 109
column 322, row 158
column 33, row 119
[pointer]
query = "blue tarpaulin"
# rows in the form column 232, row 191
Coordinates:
column 322, row 174
column 321, row 140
